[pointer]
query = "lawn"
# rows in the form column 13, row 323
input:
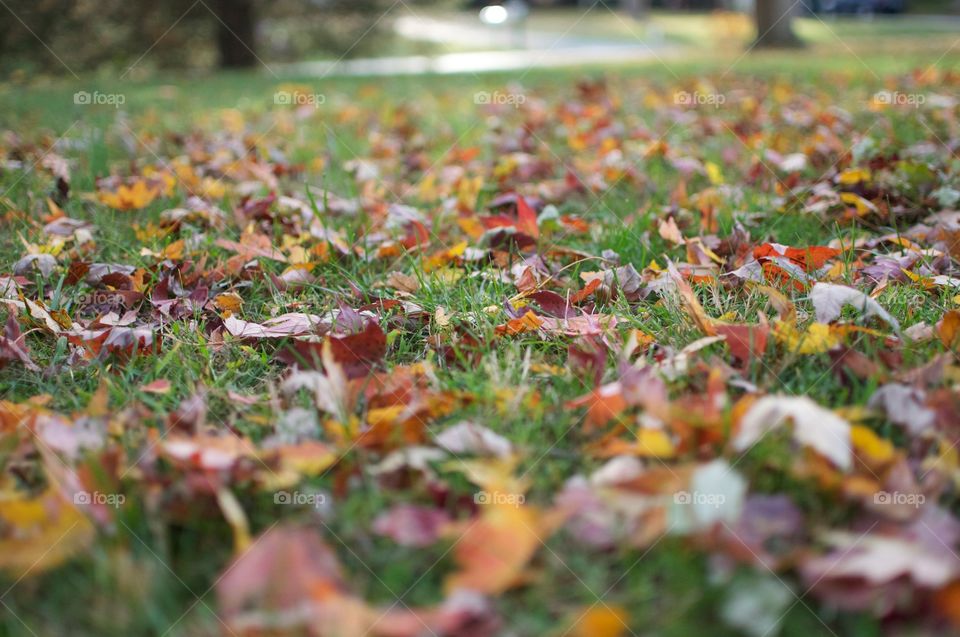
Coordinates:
column 541, row 354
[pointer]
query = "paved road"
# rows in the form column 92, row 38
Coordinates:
column 541, row 50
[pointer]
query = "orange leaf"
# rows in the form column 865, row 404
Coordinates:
column 587, row 290
column 949, row 329
column 494, row 549
column 526, row 219
column 947, row 602
column 529, row 322
column 746, row 342
column 600, row 621
column 603, row 404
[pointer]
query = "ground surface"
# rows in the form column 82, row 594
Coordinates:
column 578, row 353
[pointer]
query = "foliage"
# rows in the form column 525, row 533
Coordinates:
column 473, row 356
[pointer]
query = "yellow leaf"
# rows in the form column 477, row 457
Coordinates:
column 448, row 276
column 867, row 443
column 228, row 302
column 39, row 533
column 385, row 416
column 471, row 226
column 654, row 443
column 150, row 232
column 444, row 257
column 165, row 179
column 135, row 197
column 863, row 206
column 816, row 339
column 713, row 173
column 853, row 176
column 428, row 188
column 212, row 188
column 925, row 282
column 467, row 191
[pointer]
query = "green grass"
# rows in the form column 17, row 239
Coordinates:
column 144, row 577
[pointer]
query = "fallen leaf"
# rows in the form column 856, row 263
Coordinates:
column 134, row 197
column 668, row 230
column 949, row 329
column 829, row 299
column 813, row 426
column 293, row 324
column 159, row 386
column 600, row 620
column 746, row 342
column 410, row 525
column 471, row 438
column 39, row 533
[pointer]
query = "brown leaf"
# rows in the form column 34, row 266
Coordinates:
column 669, row 231
column 949, row 329
column 13, row 345
column 403, row 282
column 691, row 303
column 357, row 353
column 746, row 342
column 845, row 358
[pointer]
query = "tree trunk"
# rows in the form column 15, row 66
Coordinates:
column 235, row 33
column 637, row 8
column 775, row 24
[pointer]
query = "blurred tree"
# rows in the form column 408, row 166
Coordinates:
column 775, row 24
column 236, row 33
column 136, row 36
column 637, row 8
column 56, row 35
